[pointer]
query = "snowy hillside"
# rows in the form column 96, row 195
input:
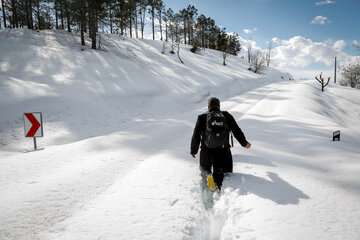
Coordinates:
column 101, row 90
column 116, row 161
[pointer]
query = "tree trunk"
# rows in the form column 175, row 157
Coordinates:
column 38, row 13
column 82, row 21
column 142, row 21
column 15, row 23
column 111, row 19
column 121, row 19
column 16, row 16
column 153, row 20
column 189, row 30
column 27, row 13
column 67, row 16
column 178, row 52
column 88, row 22
column 160, row 20
column 62, row 15
column 31, row 14
column 130, row 24
column 184, row 30
column 121, row 27
column 136, row 22
column 203, row 36
column 92, row 24
column 3, row 12
column 166, row 31
column 57, row 15
column 224, row 58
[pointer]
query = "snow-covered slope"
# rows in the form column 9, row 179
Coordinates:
column 79, row 91
column 295, row 183
column 118, row 124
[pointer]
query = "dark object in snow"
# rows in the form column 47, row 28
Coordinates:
column 336, row 135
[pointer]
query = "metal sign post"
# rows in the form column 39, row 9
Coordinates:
column 33, row 126
column 35, row 145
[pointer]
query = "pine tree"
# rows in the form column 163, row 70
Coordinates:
column 191, row 14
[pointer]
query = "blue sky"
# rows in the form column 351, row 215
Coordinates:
column 282, row 18
column 322, row 21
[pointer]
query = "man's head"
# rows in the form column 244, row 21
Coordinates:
column 213, row 104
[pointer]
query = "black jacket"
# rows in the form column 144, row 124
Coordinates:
column 200, row 127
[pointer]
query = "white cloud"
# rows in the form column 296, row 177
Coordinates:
column 249, row 31
column 248, row 43
column 356, row 44
column 302, row 52
column 304, row 58
column 325, row 2
column 321, row 20
column 339, row 45
column 276, row 40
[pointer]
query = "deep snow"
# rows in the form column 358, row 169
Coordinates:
column 116, row 161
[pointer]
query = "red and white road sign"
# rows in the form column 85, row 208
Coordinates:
column 33, row 124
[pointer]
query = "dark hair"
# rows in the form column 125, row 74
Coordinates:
column 213, row 103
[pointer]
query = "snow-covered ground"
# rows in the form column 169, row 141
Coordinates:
column 116, row 163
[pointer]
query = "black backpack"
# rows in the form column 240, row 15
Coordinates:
column 217, row 130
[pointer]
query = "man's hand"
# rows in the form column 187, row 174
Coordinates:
column 248, row 146
column 193, row 155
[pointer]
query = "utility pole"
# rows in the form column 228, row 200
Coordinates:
column 335, row 70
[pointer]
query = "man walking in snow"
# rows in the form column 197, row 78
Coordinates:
column 212, row 131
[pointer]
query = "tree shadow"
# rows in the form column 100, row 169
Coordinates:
column 274, row 189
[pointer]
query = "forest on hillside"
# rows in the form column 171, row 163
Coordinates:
column 124, row 17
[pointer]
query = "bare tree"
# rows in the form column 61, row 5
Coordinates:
column 177, row 35
column 268, row 54
column 322, row 81
column 178, row 52
column 249, row 52
column 225, row 54
column 257, row 61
